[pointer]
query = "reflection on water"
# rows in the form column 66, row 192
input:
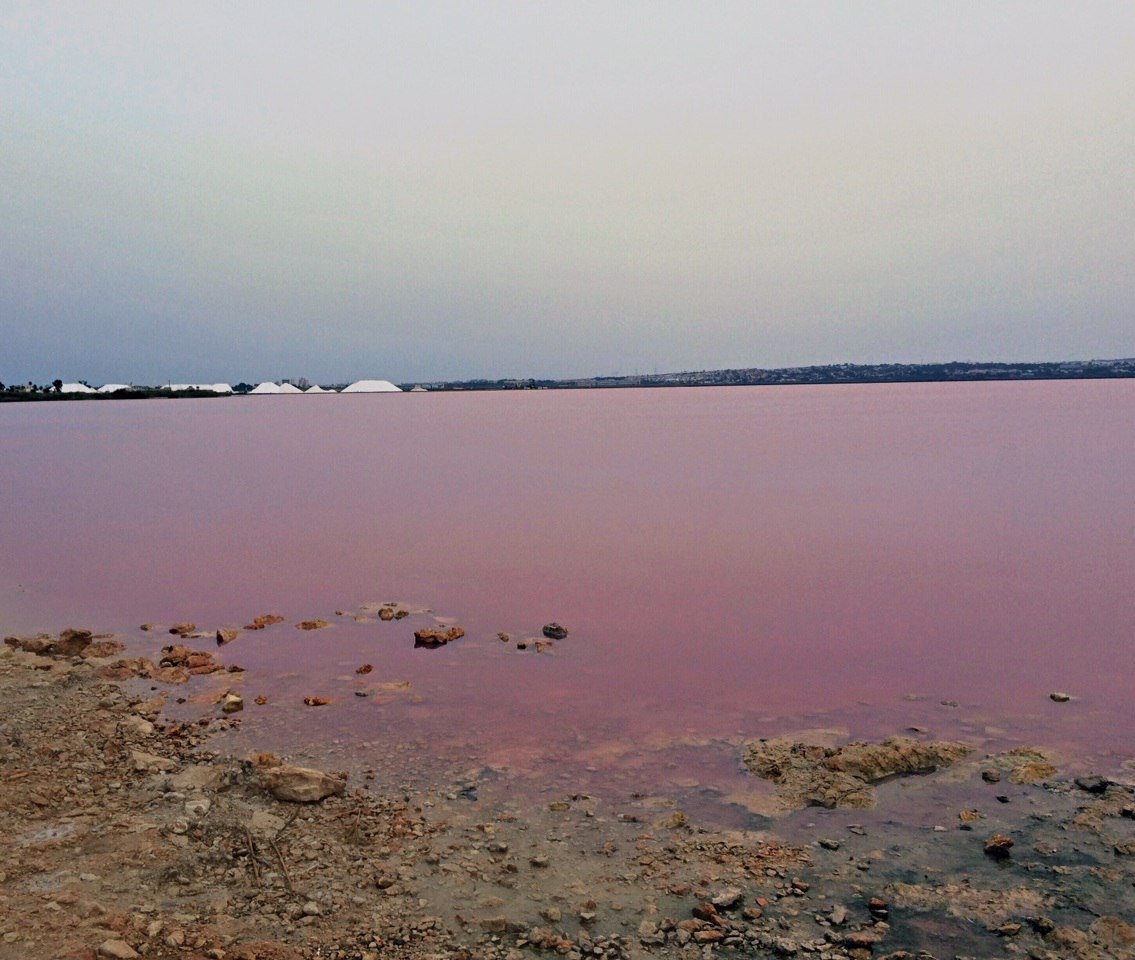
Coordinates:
column 727, row 561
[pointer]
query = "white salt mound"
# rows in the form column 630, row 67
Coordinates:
column 372, row 386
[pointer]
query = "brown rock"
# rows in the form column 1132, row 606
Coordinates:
column 183, row 629
column 151, row 763
column 386, row 613
column 166, row 674
column 705, row 911
column 226, row 636
column 436, row 637
column 709, row 936
column 262, row 950
column 553, row 631
column 302, row 784
column 1032, row 772
column 72, row 642
column 312, row 624
column 41, row 645
column 860, row 939
column 316, row 701
column 365, row 668
column 264, row 620
column 103, row 648
column 117, row 950
column 998, row 846
column 878, row 908
column 175, row 655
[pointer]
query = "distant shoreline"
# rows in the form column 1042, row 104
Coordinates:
column 845, row 373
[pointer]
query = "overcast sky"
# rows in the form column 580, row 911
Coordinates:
column 427, row 190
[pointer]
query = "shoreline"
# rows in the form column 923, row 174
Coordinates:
column 815, row 374
column 130, row 836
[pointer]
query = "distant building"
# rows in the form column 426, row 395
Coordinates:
column 207, row 387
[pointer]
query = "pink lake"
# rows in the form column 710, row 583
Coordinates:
column 730, row 562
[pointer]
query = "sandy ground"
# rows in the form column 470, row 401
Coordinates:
column 126, row 836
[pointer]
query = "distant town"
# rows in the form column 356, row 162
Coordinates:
column 744, row 376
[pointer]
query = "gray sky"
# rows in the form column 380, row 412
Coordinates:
column 245, row 191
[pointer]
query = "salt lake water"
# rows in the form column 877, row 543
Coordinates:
column 730, row 562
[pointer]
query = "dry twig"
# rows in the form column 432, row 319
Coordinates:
column 252, row 854
column 283, row 866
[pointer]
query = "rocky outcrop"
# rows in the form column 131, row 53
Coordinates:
column 553, row 631
column 71, row 642
column 302, row 784
column 894, row 757
column 812, row 775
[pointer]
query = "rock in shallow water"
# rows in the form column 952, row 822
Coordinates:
column 998, row 846
column 434, row 637
column 812, row 775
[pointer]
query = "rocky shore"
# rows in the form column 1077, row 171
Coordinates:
column 127, row 836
